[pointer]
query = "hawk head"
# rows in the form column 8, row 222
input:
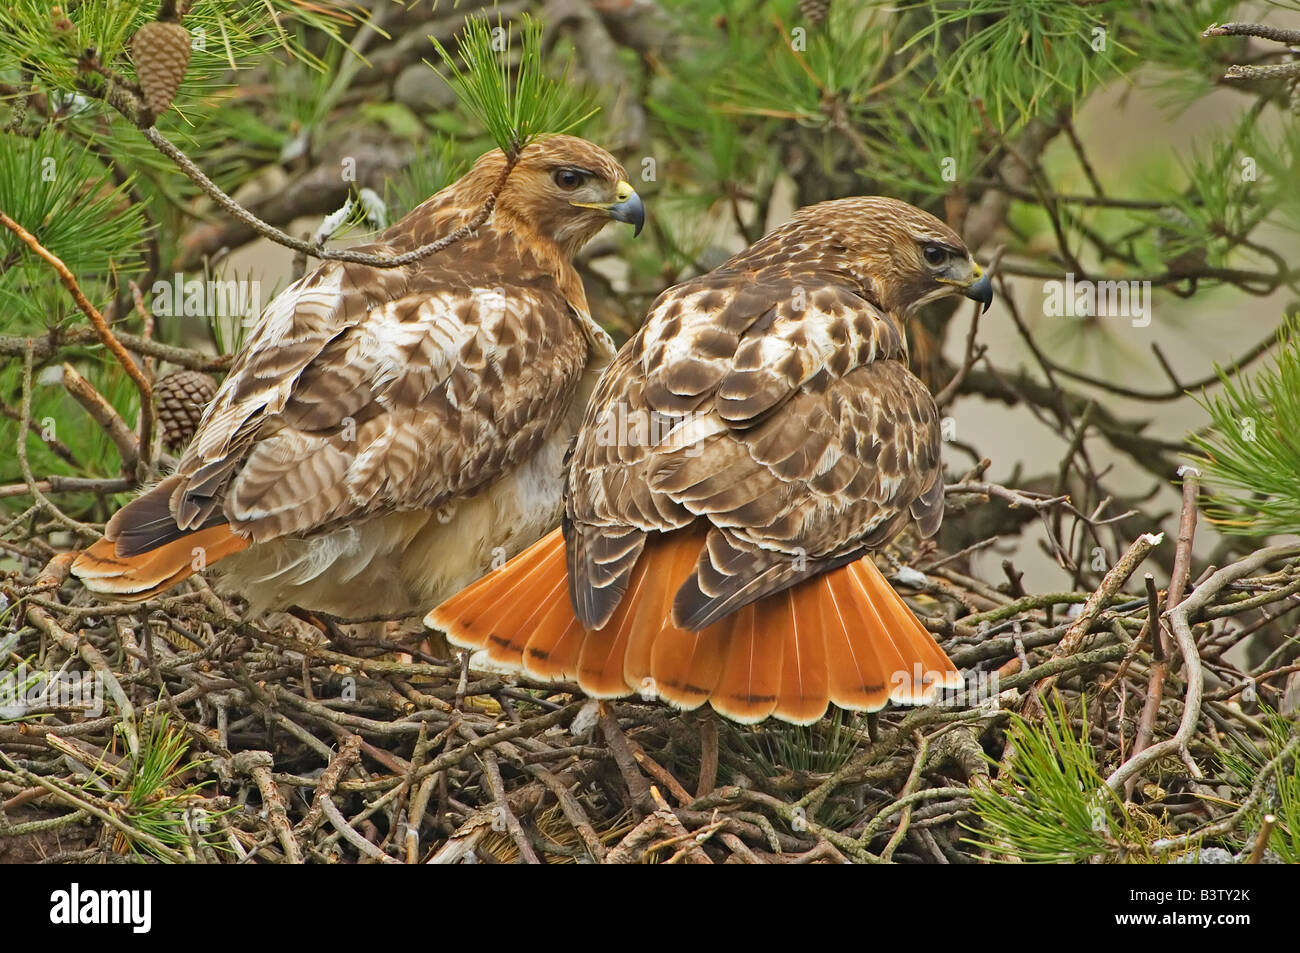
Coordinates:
column 904, row 256
column 562, row 188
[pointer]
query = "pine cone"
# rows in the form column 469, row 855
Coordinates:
column 181, row 399
column 815, row 10
column 161, row 52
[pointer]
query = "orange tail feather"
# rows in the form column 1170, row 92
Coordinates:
column 750, row 686
column 805, row 690
column 555, row 647
column 684, row 666
column 601, row 664
column 145, row 575
column 919, row 667
column 499, row 611
column 844, row 637
column 859, row 676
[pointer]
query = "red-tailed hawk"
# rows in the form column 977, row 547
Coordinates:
column 385, row 433
column 740, row 458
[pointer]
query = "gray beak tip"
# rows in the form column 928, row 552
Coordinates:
column 981, row 291
column 631, row 211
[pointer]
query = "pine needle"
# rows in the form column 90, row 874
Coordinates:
column 514, row 110
column 1251, row 461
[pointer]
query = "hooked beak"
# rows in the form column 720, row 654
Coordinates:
column 980, row 288
column 627, row 207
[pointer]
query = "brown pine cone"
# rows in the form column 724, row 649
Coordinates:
column 815, row 10
column 182, row 398
column 161, row 52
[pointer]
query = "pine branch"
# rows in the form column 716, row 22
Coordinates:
column 237, row 211
column 103, row 330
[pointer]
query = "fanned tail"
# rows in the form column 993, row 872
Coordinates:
column 843, row 638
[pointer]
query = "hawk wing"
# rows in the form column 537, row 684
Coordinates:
column 776, row 407
column 366, row 390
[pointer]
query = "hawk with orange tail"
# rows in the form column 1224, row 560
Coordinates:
column 740, row 459
column 387, row 432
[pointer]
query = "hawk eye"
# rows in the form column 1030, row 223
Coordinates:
column 934, row 255
column 568, row 179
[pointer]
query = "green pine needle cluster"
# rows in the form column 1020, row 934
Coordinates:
column 225, row 36
column 802, row 69
column 777, row 748
column 1050, row 804
column 1243, row 761
column 60, row 191
column 156, row 797
column 433, row 169
column 516, row 109
column 1021, row 58
column 1251, row 462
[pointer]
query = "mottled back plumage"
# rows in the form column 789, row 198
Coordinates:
column 781, row 411
column 366, row 392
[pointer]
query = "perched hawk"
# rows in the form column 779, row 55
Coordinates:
column 385, row 433
column 740, row 458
